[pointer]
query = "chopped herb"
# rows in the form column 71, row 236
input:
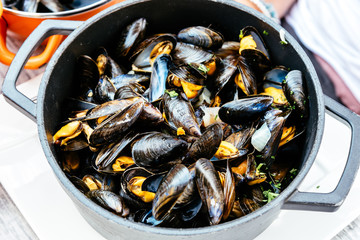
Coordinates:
column 265, row 32
column 259, row 166
column 171, row 93
column 284, row 81
column 317, row 186
column 258, row 156
column 289, row 69
column 291, row 92
column 241, row 35
column 269, row 195
column 301, row 116
column 203, row 68
column 278, row 185
column 216, row 116
column 272, row 157
column 283, row 42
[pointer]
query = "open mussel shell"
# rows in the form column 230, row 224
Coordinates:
column 207, row 144
column 157, row 149
column 250, row 31
column 109, row 153
column 150, row 48
column 210, row 190
column 129, row 37
column 245, row 110
column 112, row 128
column 170, row 189
column 131, row 200
column 241, row 138
column 201, row 36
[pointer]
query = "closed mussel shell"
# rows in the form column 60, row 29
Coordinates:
column 207, row 144
column 170, row 189
column 157, row 149
column 112, row 128
column 128, row 37
column 201, row 36
column 245, row 110
column 210, row 189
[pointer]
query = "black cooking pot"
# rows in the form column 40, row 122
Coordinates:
column 170, row 16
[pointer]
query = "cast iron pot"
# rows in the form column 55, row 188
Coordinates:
column 170, row 16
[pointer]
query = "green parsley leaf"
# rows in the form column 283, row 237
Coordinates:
column 269, row 195
column 283, row 42
column 216, row 116
column 265, row 32
column 241, row 35
column 171, row 93
column 203, row 68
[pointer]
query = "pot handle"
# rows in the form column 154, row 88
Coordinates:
column 329, row 202
column 45, row 29
column 34, row 62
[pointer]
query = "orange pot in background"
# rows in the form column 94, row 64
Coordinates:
column 23, row 23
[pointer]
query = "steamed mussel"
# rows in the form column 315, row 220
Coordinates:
column 182, row 129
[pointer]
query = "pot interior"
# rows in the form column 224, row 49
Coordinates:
column 172, row 16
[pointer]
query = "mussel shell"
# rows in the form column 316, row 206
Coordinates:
column 112, row 128
column 260, row 44
column 109, row 153
column 207, row 144
column 275, row 125
column 241, row 138
column 229, row 191
column 159, row 75
column 131, row 200
column 87, row 73
column 276, row 75
column 257, row 62
column 180, row 113
column 170, row 189
column 125, row 79
column 201, row 36
column 245, row 110
column 130, row 36
column 110, row 201
column 248, row 77
column 105, row 90
column 107, row 109
column 189, row 73
column 141, row 57
column 156, row 149
column 225, row 72
column 295, row 92
column 188, row 53
column 210, row 189
column 79, row 184
column 130, row 90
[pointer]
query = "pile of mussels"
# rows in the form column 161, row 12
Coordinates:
column 182, row 129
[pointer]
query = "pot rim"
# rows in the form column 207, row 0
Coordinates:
column 55, row 14
column 274, row 204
